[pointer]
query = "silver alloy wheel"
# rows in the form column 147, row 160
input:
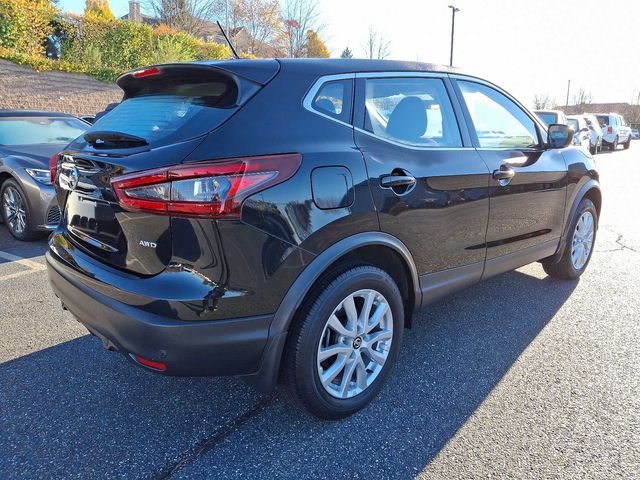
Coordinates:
column 14, row 210
column 355, row 343
column 582, row 240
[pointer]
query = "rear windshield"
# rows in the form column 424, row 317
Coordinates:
column 172, row 107
column 548, row 118
column 573, row 123
column 603, row 120
column 36, row 130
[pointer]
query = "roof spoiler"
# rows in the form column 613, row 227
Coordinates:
column 257, row 71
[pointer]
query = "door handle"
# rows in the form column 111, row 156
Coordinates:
column 504, row 175
column 393, row 181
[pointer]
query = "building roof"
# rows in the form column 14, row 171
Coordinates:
column 631, row 113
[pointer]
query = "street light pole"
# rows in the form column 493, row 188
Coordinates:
column 453, row 26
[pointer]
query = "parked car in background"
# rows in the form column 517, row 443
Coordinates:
column 595, row 133
column 615, row 131
column 550, row 117
column 635, row 134
column 581, row 136
column 196, row 242
column 27, row 142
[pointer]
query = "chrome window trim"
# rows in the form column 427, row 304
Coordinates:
column 411, row 147
column 392, row 74
column 307, row 102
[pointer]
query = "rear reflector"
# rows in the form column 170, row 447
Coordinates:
column 211, row 189
column 161, row 367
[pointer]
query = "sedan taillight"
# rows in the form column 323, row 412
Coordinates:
column 53, row 167
column 610, row 130
column 212, row 189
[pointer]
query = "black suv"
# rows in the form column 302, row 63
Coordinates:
column 284, row 219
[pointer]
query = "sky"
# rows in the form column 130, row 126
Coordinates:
column 527, row 47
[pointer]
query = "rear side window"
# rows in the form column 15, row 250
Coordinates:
column 334, row 99
column 412, row 111
column 173, row 106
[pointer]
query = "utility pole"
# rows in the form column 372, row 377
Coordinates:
column 568, row 87
column 453, row 26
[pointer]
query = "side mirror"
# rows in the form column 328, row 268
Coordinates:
column 560, row 136
column 585, row 129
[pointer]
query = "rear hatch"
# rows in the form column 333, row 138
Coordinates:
column 166, row 112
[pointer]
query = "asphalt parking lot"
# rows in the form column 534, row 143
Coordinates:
column 520, row 377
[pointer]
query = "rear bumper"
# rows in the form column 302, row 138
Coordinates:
column 187, row 348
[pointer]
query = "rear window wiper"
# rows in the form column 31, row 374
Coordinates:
column 114, row 140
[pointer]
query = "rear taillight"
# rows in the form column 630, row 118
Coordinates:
column 609, row 129
column 53, row 167
column 212, row 189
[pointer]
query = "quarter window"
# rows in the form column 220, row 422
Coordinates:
column 499, row 122
column 334, row 99
column 412, row 111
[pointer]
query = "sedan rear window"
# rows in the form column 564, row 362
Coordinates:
column 37, row 130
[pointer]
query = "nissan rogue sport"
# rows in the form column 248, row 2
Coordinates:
column 283, row 220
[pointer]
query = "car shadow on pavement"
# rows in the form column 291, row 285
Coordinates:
column 76, row 410
column 27, row 250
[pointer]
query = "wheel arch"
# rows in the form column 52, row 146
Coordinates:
column 373, row 248
column 590, row 190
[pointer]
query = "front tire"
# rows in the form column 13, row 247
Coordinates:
column 16, row 213
column 344, row 343
column 627, row 144
column 579, row 244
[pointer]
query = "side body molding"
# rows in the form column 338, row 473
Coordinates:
column 266, row 377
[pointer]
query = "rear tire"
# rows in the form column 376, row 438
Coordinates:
column 578, row 245
column 335, row 385
column 614, row 145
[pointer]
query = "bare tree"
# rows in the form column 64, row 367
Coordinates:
column 299, row 16
column 190, row 16
column 582, row 97
column 376, row 46
column 542, row 101
column 261, row 20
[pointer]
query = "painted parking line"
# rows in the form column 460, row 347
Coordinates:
column 32, row 267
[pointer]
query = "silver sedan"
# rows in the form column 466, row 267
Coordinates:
column 27, row 142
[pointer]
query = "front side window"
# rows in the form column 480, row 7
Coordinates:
column 412, row 111
column 499, row 122
column 334, row 99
